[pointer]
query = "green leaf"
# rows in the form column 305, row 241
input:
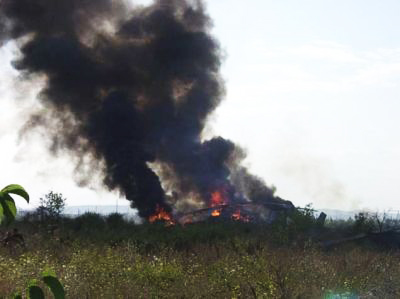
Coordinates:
column 9, row 209
column 17, row 295
column 49, row 272
column 1, row 212
column 16, row 189
column 35, row 292
column 55, row 286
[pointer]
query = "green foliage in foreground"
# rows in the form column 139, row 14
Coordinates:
column 97, row 257
column 34, row 291
column 8, row 210
column 204, row 260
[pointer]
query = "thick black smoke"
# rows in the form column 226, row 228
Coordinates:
column 130, row 86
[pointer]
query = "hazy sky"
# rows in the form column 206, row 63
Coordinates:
column 312, row 94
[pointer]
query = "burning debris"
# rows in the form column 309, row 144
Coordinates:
column 224, row 210
column 238, row 216
column 218, row 200
column 162, row 215
column 131, row 87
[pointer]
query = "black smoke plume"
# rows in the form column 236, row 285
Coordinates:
column 131, row 87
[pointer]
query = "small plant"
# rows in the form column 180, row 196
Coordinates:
column 36, row 292
column 52, row 205
column 8, row 210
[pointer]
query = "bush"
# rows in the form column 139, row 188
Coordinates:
column 303, row 219
column 363, row 223
column 115, row 220
column 51, row 206
column 89, row 221
column 294, row 226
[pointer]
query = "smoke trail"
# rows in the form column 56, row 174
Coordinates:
column 129, row 86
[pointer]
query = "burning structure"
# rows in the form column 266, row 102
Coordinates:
column 130, row 88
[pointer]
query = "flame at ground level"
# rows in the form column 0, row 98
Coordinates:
column 161, row 215
column 216, row 213
column 237, row 216
column 219, row 206
column 218, row 198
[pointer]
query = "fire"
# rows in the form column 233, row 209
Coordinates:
column 237, row 216
column 218, row 198
column 163, row 215
column 216, row 213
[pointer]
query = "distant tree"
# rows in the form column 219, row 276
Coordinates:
column 363, row 223
column 52, row 205
column 381, row 220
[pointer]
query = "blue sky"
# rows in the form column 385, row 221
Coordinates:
column 312, row 94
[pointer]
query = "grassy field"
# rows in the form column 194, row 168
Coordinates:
column 97, row 257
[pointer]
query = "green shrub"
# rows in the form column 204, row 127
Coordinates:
column 88, row 222
column 51, row 206
column 294, row 225
column 8, row 212
column 363, row 223
column 34, row 290
column 115, row 220
column 8, row 209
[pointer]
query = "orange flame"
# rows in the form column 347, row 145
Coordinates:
column 216, row 213
column 218, row 198
column 162, row 215
column 237, row 216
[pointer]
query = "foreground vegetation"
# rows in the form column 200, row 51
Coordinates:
column 96, row 257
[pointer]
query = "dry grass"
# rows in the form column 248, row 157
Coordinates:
column 242, row 264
